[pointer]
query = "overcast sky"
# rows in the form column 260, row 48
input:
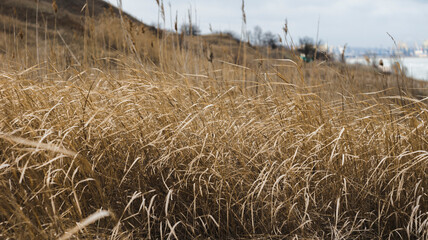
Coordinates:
column 359, row 23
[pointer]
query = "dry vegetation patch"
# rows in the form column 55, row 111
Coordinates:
column 155, row 140
column 170, row 158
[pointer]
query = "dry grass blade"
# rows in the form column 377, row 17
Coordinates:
column 84, row 223
column 38, row 145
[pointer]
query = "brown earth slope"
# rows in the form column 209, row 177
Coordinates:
column 90, row 34
column 69, row 13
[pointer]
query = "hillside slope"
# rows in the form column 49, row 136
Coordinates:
column 69, row 13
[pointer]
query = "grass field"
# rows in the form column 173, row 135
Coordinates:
column 118, row 134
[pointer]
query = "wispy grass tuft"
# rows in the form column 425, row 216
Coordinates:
column 179, row 145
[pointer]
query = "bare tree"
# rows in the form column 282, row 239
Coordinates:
column 308, row 47
column 257, row 36
column 270, row 39
column 188, row 29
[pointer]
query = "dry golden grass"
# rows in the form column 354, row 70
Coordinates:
column 152, row 140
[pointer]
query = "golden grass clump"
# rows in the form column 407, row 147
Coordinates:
column 124, row 147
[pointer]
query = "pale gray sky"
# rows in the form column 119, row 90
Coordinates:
column 359, row 23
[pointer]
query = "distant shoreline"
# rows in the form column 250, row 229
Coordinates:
column 417, row 67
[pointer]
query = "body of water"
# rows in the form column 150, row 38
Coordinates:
column 416, row 67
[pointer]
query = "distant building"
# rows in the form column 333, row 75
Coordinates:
column 420, row 53
column 403, row 46
column 425, row 45
column 323, row 48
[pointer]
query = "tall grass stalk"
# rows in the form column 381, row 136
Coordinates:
column 178, row 145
